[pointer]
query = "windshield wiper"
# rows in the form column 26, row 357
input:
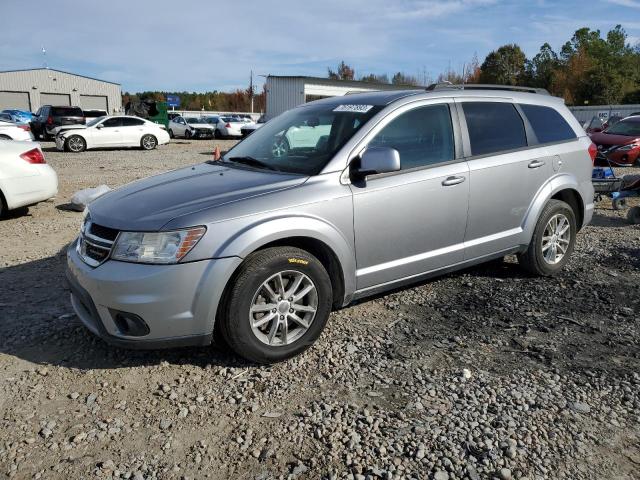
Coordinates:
column 252, row 162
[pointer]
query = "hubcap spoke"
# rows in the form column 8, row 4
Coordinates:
column 280, row 314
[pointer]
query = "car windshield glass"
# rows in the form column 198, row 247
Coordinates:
column 193, row 120
column 94, row 121
column 304, row 139
column 625, row 127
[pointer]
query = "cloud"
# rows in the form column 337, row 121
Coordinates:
column 626, row 3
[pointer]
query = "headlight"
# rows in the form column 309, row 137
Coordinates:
column 156, row 247
column 626, row 148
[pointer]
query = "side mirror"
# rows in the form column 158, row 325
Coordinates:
column 99, row 126
column 378, row 160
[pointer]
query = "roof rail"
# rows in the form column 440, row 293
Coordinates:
column 480, row 86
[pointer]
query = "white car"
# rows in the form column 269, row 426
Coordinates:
column 13, row 131
column 229, row 127
column 249, row 128
column 111, row 132
column 25, row 177
column 190, row 127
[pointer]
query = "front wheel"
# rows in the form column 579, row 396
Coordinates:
column 148, row 142
column 171, row 135
column 75, row 144
column 187, row 134
column 553, row 240
column 277, row 305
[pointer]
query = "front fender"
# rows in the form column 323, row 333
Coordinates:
column 239, row 238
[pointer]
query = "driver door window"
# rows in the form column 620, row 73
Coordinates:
column 423, row 137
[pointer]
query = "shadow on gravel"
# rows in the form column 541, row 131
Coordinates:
column 37, row 324
column 604, row 221
column 18, row 212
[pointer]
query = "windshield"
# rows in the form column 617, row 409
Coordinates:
column 304, row 139
column 630, row 128
column 95, row 121
column 193, row 120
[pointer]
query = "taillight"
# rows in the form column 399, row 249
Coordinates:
column 228, row 125
column 34, row 156
column 593, row 151
column 26, row 128
column 49, row 120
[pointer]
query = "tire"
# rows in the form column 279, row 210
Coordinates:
column 148, row 142
column 5, row 137
column 619, row 203
column 3, row 206
column 538, row 261
column 633, row 215
column 187, row 134
column 241, row 328
column 75, row 144
column 171, row 135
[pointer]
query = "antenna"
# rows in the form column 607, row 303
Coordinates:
column 44, row 58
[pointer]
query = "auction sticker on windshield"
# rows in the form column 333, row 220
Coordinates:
column 353, row 108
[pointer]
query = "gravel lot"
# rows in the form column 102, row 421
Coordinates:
column 487, row 373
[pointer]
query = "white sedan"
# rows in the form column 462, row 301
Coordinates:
column 12, row 131
column 190, row 127
column 25, row 177
column 229, row 127
column 111, row 132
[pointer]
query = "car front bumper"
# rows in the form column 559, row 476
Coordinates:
column 177, row 302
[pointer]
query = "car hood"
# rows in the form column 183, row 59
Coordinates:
column 602, row 138
column 149, row 204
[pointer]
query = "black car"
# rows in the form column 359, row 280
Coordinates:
column 48, row 117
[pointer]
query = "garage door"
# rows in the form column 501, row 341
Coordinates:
column 15, row 101
column 55, row 99
column 93, row 102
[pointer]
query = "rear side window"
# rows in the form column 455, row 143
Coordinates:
column 131, row 122
column 67, row 111
column 493, row 127
column 423, row 136
column 547, row 124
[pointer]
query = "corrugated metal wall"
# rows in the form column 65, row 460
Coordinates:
column 36, row 82
column 283, row 93
column 585, row 114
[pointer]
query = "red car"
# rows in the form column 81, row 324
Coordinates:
column 619, row 143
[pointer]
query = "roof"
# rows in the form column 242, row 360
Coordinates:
column 60, row 71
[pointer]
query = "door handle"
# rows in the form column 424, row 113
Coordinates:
column 536, row 163
column 452, row 181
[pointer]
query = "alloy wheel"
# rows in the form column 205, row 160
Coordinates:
column 75, row 144
column 148, row 142
column 556, row 239
column 283, row 308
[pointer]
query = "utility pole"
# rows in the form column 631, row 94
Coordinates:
column 251, row 90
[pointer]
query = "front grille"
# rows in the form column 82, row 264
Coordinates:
column 95, row 243
column 103, row 232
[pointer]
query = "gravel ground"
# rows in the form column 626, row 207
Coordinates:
column 486, row 373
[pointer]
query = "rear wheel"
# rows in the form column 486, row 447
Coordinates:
column 277, row 304
column 619, row 203
column 553, row 240
column 75, row 144
column 171, row 135
column 148, row 142
column 5, row 137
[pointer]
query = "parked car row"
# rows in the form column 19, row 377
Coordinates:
column 207, row 127
column 619, row 144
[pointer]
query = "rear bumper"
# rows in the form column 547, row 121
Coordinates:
column 24, row 191
column 177, row 302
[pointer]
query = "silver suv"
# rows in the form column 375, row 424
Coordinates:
column 330, row 202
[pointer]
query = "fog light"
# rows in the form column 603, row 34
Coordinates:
column 129, row 324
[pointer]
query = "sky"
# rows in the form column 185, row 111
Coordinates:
column 200, row 45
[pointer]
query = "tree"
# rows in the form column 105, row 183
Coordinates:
column 540, row 69
column 344, row 72
column 504, row 66
column 374, row 78
column 404, row 79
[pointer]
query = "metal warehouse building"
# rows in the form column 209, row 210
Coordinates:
column 29, row 89
column 284, row 93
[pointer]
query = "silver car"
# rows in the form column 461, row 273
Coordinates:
column 331, row 202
